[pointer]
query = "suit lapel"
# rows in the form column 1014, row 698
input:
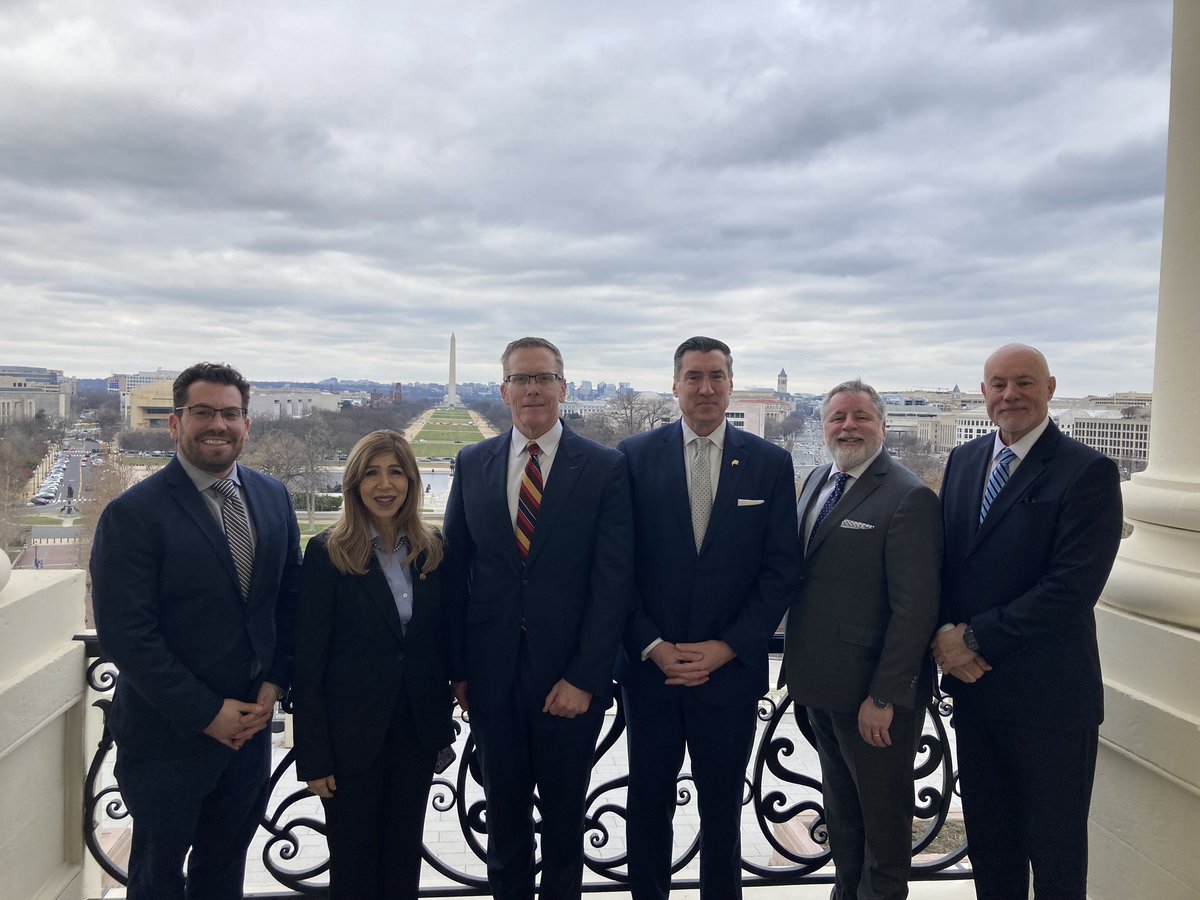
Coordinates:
column 256, row 497
column 376, row 585
column 184, row 492
column 860, row 489
column 809, row 493
column 733, row 461
column 670, row 468
column 1027, row 474
column 495, row 480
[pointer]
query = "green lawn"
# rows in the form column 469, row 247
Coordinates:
column 466, row 435
column 438, row 448
column 450, row 415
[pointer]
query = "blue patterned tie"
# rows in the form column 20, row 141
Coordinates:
column 835, row 495
column 996, row 482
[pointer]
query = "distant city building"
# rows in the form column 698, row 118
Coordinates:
column 451, row 398
column 1125, row 439
column 149, row 406
column 781, row 382
column 297, row 404
column 123, row 383
column 26, row 391
column 1119, row 401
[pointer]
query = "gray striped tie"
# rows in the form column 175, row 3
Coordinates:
column 996, row 482
column 237, row 531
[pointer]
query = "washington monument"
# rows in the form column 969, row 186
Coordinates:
column 452, row 384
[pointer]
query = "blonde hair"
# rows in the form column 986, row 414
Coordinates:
column 349, row 542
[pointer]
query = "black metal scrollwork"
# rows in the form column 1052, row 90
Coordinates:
column 782, row 800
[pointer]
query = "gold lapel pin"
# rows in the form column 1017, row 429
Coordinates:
column 734, row 462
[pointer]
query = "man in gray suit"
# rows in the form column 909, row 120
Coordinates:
column 857, row 635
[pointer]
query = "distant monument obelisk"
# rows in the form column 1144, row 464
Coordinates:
column 452, row 385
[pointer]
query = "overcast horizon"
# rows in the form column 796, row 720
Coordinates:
column 838, row 189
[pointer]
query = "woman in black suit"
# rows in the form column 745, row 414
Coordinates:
column 372, row 700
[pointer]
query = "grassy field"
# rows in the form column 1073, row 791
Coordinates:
column 446, row 432
column 450, row 415
column 439, row 448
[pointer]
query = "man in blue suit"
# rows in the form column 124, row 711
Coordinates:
column 540, row 544
column 1032, row 521
column 716, row 563
column 195, row 574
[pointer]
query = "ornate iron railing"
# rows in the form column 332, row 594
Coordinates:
column 783, row 802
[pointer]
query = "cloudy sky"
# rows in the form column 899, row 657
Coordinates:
column 835, row 187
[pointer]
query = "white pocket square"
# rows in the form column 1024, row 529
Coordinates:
column 861, row 526
column 742, row 502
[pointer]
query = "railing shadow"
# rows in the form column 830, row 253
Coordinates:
column 785, row 841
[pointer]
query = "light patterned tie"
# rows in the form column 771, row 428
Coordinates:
column 996, row 482
column 237, row 532
column 835, row 495
column 529, row 501
column 700, row 492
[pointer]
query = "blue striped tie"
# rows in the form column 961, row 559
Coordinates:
column 997, row 481
column 835, row 495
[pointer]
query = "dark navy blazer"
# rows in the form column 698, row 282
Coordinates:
column 170, row 614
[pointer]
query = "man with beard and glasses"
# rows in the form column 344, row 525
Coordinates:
column 195, row 575
column 857, row 635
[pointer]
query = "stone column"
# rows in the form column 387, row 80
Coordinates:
column 1147, row 796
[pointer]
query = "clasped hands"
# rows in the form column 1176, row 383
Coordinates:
column 564, row 699
column 690, row 665
column 951, row 652
column 237, row 721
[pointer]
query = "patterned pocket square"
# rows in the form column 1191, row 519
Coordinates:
column 742, row 502
column 861, row 526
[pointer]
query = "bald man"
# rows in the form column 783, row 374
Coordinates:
column 1032, row 521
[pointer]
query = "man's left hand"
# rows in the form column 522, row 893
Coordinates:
column 711, row 656
column 252, row 723
column 950, row 650
column 873, row 724
column 566, row 700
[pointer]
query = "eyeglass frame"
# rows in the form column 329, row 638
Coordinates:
column 239, row 412
column 543, row 379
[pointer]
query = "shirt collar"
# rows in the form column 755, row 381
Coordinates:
column 376, row 543
column 204, row 480
column 717, row 436
column 547, row 443
column 1022, row 447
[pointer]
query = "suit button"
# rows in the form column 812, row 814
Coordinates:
column 400, row 654
column 525, row 581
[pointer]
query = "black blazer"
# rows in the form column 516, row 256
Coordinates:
column 352, row 661
column 863, row 617
column 1028, row 579
column 569, row 601
column 170, row 614
column 737, row 587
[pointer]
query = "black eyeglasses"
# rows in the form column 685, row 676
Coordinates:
column 206, row 413
column 543, row 379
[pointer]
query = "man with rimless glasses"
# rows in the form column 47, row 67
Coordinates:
column 539, row 534
column 195, row 575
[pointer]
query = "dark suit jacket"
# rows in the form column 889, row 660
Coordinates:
column 169, row 611
column 867, row 607
column 353, row 659
column 737, row 586
column 1027, row 580
column 570, row 598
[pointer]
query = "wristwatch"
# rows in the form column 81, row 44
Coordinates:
column 969, row 640
column 880, row 704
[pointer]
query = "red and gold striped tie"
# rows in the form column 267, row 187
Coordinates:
column 529, row 501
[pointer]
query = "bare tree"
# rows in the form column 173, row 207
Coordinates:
column 634, row 413
column 102, row 484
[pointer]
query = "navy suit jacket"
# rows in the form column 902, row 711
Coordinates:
column 170, row 614
column 353, row 658
column 571, row 597
column 737, row 587
column 863, row 617
column 1027, row 579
